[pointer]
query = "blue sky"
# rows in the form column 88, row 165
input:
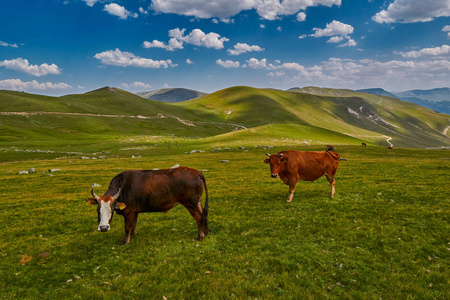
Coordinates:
column 58, row 47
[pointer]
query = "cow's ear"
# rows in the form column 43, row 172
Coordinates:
column 267, row 160
column 91, row 201
column 120, row 205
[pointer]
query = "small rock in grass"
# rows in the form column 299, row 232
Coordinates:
column 22, row 172
column 31, row 170
column 224, row 161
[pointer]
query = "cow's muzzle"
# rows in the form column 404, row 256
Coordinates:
column 103, row 228
column 274, row 175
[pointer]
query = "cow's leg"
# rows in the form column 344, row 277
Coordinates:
column 130, row 223
column 292, row 185
column 331, row 181
column 133, row 232
column 196, row 213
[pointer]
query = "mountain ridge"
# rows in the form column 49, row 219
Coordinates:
column 361, row 116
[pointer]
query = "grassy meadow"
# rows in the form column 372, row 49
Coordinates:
column 385, row 235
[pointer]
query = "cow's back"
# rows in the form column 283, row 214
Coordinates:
column 310, row 165
column 156, row 190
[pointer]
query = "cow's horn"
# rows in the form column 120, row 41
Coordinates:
column 94, row 195
column 281, row 154
column 116, row 195
column 268, row 154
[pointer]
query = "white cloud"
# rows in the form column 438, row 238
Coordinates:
column 267, row 9
column 228, row 63
column 8, row 45
column 301, row 16
column 127, row 59
column 447, row 29
column 273, row 9
column 154, row 44
column 196, row 37
column 136, row 85
column 276, row 74
column 119, row 11
column 189, row 62
column 262, row 26
column 22, row 65
column 19, row 85
column 444, row 50
column 350, row 73
column 332, row 29
column 143, row 11
column 240, row 48
column 91, row 2
column 279, row 28
column 350, row 43
column 336, row 39
column 256, row 64
column 210, row 40
column 338, row 31
column 410, row 11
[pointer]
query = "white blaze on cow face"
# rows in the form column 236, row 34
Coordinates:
column 105, row 214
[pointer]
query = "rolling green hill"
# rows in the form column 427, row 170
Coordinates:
column 225, row 118
column 172, row 94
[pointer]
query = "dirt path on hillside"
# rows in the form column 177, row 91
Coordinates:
column 159, row 116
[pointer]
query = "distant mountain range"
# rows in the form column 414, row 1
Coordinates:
column 436, row 99
column 172, row 94
column 244, row 115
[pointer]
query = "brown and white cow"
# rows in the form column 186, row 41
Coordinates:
column 136, row 191
column 293, row 166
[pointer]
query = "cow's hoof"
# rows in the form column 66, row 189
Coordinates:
column 289, row 201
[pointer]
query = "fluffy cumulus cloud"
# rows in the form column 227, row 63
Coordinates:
column 447, row 29
column 301, row 16
column 4, row 44
column 390, row 74
column 91, row 2
column 335, row 28
column 228, row 63
column 137, row 85
column 22, row 65
column 444, row 50
column 351, row 73
column 189, row 62
column 119, row 11
column 410, row 11
column 266, row 9
column 240, row 48
column 196, row 37
column 337, row 31
column 19, row 85
column 127, row 59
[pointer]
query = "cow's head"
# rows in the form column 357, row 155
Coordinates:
column 105, row 208
column 276, row 161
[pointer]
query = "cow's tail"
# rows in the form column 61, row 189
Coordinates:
column 334, row 155
column 206, row 208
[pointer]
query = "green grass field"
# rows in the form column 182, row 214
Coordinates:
column 385, row 235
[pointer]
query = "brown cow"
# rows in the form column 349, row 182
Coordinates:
column 135, row 191
column 363, row 144
column 293, row 166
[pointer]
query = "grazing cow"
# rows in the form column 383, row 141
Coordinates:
column 364, row 144
column 293, row 166
column 135, row 191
